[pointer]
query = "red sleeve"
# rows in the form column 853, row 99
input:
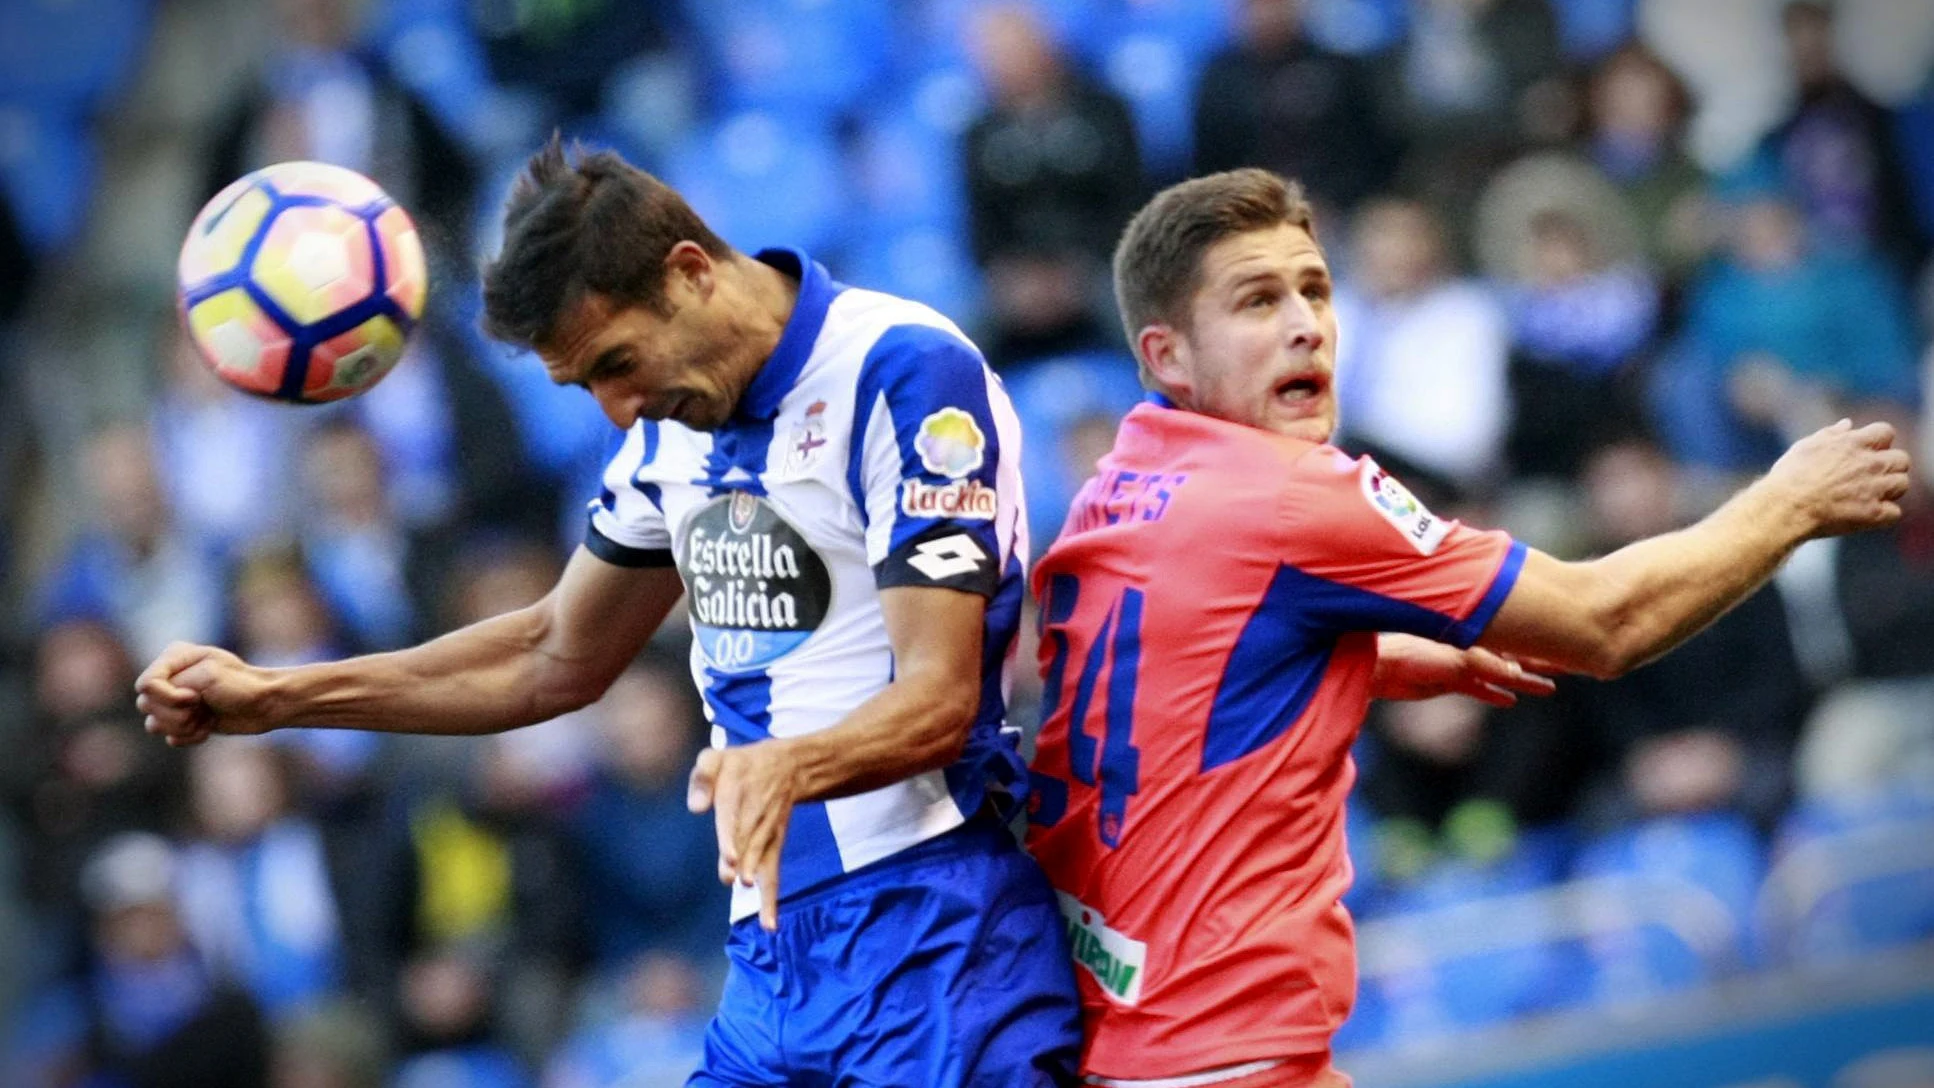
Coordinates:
column 1375, row 559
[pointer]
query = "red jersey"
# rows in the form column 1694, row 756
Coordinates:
column 1209, row 633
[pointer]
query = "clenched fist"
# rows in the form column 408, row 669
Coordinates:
column 1843, row 479
column 191, row 692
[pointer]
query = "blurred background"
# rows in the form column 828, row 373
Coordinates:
column 1599, row 261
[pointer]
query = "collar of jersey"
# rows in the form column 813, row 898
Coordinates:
column 775, row 379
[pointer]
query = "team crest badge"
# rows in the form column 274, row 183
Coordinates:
column 950, row 443
column 808, row 438
column 745, row 507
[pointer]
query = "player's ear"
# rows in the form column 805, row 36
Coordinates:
column 689, row 268
column 1161, row 352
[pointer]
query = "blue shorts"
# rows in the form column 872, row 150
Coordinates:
column 944, row 965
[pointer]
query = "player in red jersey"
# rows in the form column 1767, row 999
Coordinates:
column 1211, row 618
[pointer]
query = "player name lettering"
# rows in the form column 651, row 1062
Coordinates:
column 754, row 556
column 732, row 603
column 962, row 499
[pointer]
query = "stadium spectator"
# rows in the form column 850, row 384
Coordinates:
column 1421, row 380
column 645, row 863
column 1581, row 305
column 450, row 1038
column 377, row 571
column 224, row 459
column 339, row 1045
column 81, row 777
column 1839, row 154
column 1276, row 99
column 317, row 95
column 654, row 1038
column 1711, row 726
column 1782, row 335
column 1471, row 86
column 1637, row 112
column 1052, row 171
column 1875, row 730
column 255, row 886
column 135, row 567
column 153, row 1012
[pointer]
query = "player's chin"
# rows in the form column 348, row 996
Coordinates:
column 1311, row 420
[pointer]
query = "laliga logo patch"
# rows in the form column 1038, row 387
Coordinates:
column 1394, row 502
column 950, row 443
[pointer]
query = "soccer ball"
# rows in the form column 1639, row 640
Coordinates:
column 301, row 282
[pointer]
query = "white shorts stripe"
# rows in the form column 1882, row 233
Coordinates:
column 1191, row 1080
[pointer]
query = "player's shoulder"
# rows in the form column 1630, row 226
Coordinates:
column 873, row 330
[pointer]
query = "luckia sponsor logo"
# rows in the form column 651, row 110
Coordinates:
column 960, row 499
column 1114, row 959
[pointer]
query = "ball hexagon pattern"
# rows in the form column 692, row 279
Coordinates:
column 302, row 282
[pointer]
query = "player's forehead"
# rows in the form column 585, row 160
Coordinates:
column 1284, row 249
column 585, row 330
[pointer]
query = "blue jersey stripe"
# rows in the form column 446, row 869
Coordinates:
column 923, row 370
column 991, row 769
column 742, row 705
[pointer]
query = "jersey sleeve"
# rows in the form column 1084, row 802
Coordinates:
column 627, row 525
column 1377, row 560
column 925, row 461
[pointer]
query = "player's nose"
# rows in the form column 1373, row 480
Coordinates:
column 621, row 406
column 1301, row 328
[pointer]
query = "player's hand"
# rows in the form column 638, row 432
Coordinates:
column 751, row 790
column 192, row 692
column 1844, row 479
column 1409, row 667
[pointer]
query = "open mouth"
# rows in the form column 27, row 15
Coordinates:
column 1303, row 387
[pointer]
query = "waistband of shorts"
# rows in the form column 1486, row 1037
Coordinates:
column 980, row 834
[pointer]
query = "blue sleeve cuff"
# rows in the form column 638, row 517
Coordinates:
column 1466, row 632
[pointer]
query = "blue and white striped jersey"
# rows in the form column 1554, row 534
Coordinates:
column 874, row 449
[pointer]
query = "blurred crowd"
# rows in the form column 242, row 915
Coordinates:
column 1598, row 261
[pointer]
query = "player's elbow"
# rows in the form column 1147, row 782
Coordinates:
column 1621, row 635
column 947, row 722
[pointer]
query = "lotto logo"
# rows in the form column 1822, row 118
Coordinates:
column 947, row 557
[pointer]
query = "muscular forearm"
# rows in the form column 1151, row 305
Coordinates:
column 485, row 678
column 910, row 727
column 1656, row 593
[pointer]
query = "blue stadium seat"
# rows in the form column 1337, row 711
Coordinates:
column 1589, row 29
column 906, row 168
column 803, row 57
column 1052, row 397
column 68, row 56
column 925, row 263
column 761, row 179
column 1852, row 877
column 1469, row 945
column 1677, row 902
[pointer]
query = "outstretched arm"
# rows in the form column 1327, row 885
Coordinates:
column 917, row 723
column 515, row 669
column 1610, row 615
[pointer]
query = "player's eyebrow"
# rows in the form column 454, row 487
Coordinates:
column 607, row 359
